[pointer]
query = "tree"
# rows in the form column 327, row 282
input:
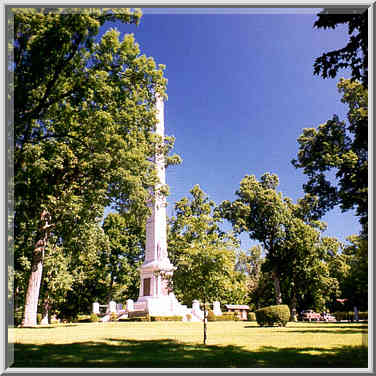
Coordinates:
column 196, row 224
column 258, row 281
column 354, row 284
column 126, row 236
column 83, row 128
column 205, row 272
column 341, row 149
column 260, row 210
column 355, row 54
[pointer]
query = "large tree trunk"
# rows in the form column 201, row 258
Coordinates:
column 277, row 287
column 32, row 294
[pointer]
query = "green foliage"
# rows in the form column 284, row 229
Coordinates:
column 278, row 314
column 340, row 148
column 83, row 129
column 355, row 54
column 203, row 254
column 226, row 316
column 133, row 316
column 289, row 242
column 210, row 315
column 39, row 318
column 354, row 282
column 350, row 315
column 113, row 316
column 94, row 317
column 251, row 316
column 126, row 239
column 166, row 318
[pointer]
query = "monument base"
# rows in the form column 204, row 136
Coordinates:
column 166, row 305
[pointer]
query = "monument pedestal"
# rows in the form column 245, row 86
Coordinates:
column 155, row 297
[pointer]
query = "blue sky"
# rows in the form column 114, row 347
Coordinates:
column 240, row 90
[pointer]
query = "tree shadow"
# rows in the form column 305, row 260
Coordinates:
column 167, row 353
column 314, row 331
column 48, row 327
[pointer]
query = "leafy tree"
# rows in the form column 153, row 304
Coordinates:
column 339, row 149
column 57, row 280
column 355, row 54
column 196, row 225
column 258, row 281
column 261, row 211
column 290, row 237
column 204, row 271
column 355, row 282
column 126, row 235
column 83, row 128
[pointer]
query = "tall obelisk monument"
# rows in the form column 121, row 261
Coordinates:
column 154, row 292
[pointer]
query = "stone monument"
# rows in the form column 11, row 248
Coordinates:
column 155, row 296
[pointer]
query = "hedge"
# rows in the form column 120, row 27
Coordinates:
column 277, row 314
column 138, row 318
column 349, row 316
column 94, row 317
column 251, row 316
column 166, row 318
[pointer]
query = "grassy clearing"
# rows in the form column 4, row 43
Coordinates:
column 179, row 344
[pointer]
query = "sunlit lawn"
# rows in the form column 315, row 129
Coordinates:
column 179, row 344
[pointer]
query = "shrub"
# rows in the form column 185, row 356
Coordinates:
column 251, row 316
column 39, row 318
column 277, row 314
column 83, row 318
column 18, row 316
column 166, row 318
column 94, row 317
column 113, row 316
column 226, row 316
column 363, row 315
column 350, row 316
column 136, row 316
column 188, row 316
column 211, row 316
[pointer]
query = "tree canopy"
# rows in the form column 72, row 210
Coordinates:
column 84, row 135
column 194, row 233
column 355, row 54
column 334, row 156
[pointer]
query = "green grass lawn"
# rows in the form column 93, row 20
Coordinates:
column 179, row 344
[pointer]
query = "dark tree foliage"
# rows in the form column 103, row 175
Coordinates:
column 340, row 148
column 354, row 55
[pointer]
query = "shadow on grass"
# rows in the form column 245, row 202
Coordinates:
column 167, row 353
column 333, row 329
column 48, row 327
column 314, row 331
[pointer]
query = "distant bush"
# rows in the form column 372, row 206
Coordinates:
column 251, row 316
column 18, row 316
column 135, row 316
column 54, row 320
column 277, row 314
column 94, row 317
column 166, row 318
column 227, row 316
column 83, row 318
column 39, row 318
column 113, row 316
column 188, row 316
column 350, row 316
column 211, row 316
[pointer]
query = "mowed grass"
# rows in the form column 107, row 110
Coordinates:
column 179, row 345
